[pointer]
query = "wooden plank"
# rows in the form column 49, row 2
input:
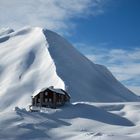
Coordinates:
column 54, row 100
column 41, row 99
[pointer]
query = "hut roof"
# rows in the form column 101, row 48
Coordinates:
column 54, row 90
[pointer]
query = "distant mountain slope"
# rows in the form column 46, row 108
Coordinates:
column 33, row 58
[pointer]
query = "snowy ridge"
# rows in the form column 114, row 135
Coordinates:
column 33, row 58
column 25, row 66
column 85, row 80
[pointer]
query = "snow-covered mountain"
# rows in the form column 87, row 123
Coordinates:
column 33, row 58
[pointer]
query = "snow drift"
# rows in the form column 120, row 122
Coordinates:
column 34, row 58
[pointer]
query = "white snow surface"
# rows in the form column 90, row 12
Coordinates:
column 85, row 80
column 5, row 31
column 25, row 66
column 78, row 121
column 36, row 58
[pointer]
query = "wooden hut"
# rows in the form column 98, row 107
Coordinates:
column 50, row 97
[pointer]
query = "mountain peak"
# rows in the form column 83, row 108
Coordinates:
column 34, row 58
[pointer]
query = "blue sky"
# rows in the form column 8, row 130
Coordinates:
column 118, row 26
column 105, row 31
column 112, row 38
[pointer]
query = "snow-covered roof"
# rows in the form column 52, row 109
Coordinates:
column 38, row 91
column 55, row 90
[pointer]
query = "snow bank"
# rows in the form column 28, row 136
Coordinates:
column 5, row 31
column 76, row 121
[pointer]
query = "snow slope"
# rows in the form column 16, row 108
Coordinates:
column 78, row 121
column 5, row 31
column 33, row 58
column 86, row 81
column 25, row 66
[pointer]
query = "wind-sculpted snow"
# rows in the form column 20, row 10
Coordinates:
column 25, row 66
column 34, row 58
column 75, row 121
column 3, row 39
column 27, row 63
column 5, row 31
column 85, row 80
